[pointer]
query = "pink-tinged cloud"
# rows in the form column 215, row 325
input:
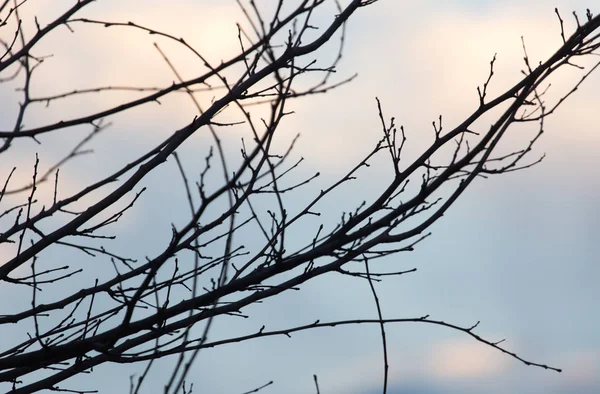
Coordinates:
column 94, row 55
column 465, row 359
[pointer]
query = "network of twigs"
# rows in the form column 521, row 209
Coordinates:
column 164, row 306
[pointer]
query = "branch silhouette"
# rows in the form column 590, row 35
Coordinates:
column 142, row 311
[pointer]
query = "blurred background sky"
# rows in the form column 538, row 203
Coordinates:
column 517, row 252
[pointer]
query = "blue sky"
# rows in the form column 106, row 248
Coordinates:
column 517, row 252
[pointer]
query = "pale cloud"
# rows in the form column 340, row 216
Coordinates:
column 118, row 56
column 437, row 71
column 434, row 72
column 95, row 55
column 465, row 359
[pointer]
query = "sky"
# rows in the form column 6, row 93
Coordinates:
column 516, row 252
